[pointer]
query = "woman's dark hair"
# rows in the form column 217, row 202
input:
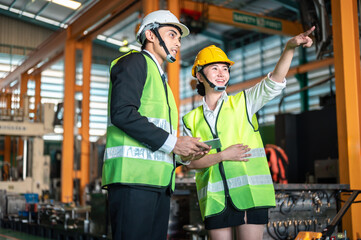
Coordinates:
column 200, row 89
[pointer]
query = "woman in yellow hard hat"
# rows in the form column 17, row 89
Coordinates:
column 234, row 184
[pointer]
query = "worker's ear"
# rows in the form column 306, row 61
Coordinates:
column 150, row 36
column 199, row 77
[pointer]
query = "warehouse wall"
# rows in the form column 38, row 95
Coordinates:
column 18, row 39
column 18, row 33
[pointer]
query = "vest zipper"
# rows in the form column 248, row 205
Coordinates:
column 223, row 175
column 221, row 167
column 170, row 126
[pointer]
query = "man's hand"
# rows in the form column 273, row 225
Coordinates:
column 302, row 39
column 190, row 148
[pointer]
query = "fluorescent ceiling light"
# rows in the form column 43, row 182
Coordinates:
column 13, row 83
column 67, row 3
column 47, row 20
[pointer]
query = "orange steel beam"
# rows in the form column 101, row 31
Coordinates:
column 78, row 88
column 67, row 162
column 246, row 20
column 249, row 83
column 7, row 156
column 150, row 6
column 23, row 88
column 49, row 63
column 348, row 103
column 304, row 68
column 7, row 143
column 37, row 79
column 98, row 13
column 43, row 67
column 174, row 68
column 20, row 147
column 115, row 19
column 68, row 141
column 23, row 91
column 85, row 144
column 55, row 43
column 49, row 47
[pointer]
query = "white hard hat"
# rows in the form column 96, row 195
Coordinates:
column 160, row 17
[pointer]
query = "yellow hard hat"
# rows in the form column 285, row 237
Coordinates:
column 207, row 55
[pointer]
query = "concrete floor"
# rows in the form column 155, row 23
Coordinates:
column 8, row 234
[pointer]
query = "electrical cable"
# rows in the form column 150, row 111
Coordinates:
column 275, row 230
column 294, row 201
column 339, row 199
column 284, row 234
column 269, row 232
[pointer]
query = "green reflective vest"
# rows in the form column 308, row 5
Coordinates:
column 126, row 160
column 248, row 184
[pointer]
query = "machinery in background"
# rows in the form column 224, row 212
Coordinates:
column 329, row 229
column 299, row 207
column 48, row 219
column 303, row 207
column 29, row 171
column 310, row 140
column 317, row 13
column 316, row 132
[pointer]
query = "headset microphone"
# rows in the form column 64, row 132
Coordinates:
column 212, row 85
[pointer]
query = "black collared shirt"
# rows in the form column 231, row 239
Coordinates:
column 128, row 77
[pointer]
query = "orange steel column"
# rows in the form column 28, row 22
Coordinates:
column 7, row 156
column 67, row 161
column 23, row 92
column 37, row 79
column 174, row 68
column 7, row 143
column 85, row 145
column 23, row 88
column 150, row 6
column 348, row 103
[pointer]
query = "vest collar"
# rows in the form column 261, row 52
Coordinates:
column 224, row 97
column 155, row 60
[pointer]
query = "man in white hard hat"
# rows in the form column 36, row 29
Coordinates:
column 139, row 160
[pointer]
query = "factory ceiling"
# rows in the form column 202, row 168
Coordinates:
column 50, row 14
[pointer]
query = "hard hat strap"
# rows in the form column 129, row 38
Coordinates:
column 212, row 85
column 170, row 58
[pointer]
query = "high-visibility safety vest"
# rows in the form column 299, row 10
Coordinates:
column 248, row 184
column 126, row 160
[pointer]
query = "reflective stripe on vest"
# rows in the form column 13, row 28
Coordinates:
column 256, row 153
column 137, row 152
column 235, row 183
column 161, row 123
